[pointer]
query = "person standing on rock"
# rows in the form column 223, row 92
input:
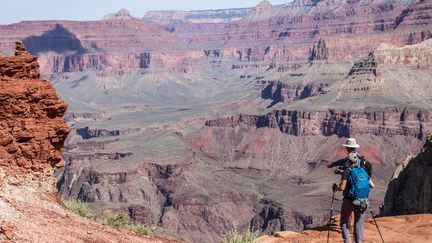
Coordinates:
column 351, row 146
column 355, row 193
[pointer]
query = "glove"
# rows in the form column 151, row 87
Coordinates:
column 338, row 172
column 334, row 187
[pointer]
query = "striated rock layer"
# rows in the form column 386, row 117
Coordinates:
column 391, row 122
column 278, row 36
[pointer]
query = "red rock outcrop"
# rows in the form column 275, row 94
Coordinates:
column 32, row 126
column 22, row 65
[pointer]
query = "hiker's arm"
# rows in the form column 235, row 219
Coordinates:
column 336, row 163
column 342, row 185
column 371, row 184
column 344, row 179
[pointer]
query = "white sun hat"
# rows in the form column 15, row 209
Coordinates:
column 351, row 143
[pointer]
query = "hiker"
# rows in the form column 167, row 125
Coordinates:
column 355, row 196
column 350, row 146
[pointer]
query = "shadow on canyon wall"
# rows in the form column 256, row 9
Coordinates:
column 59, row 40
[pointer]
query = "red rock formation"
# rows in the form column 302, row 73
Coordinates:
column 22, row 65
column 32, row 126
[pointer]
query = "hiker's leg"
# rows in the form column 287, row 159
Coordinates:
column 351, row 222
column 346, row 210
column 359, row 225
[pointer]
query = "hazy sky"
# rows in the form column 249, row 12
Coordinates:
column 18, row 10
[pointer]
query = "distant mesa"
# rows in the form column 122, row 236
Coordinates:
column 59, row 40
column 121, row 14
column 197, row 16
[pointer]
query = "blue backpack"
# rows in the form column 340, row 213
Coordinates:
column 359, row 180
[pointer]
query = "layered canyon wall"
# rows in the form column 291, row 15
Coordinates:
column 285, row 39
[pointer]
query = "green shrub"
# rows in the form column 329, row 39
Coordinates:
column 118, row 221
column 121, row 220
column 236, row 237
column 78, row 207
column 139, row 229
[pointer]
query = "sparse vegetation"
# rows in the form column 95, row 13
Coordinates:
column 139, row 229
column 78, row 207
column 121, row 220
column 237, row 237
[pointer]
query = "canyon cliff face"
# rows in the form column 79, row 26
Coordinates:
column 288, row 36
column 409, row 190
column 391, row 122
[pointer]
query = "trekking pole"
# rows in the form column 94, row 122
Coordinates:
column 331, row 215
column 376, row 224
